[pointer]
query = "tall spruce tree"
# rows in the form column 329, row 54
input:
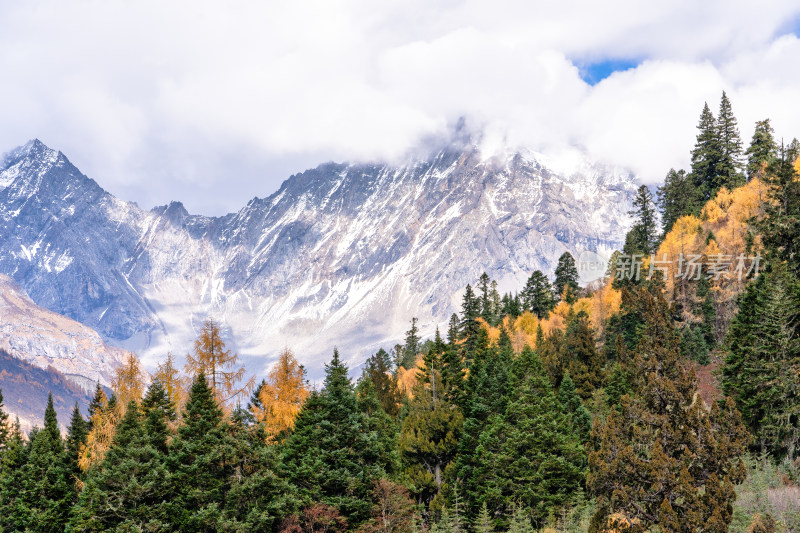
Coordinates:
column 411, row 347
column 378, row 370
column 665, row 459
column 580, row 356
column 780, row 227
column 676, row 198
column 484, row 284
column 200, row 463
column 763, row 362
column 125, row 491
column 14, row 510
column 45, row 491
column 762, row 150
column 469, row 328
column 706, row 155
column 430, row 431
column 333, row 456
column 643, row 236
column 538, row 296
column 566, row 282
column 729, row 165
column 528, row 455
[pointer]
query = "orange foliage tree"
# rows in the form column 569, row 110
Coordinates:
column 281, row 396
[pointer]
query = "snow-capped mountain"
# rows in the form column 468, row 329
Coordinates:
column 343, row 254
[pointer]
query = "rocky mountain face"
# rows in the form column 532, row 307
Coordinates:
column 343, row 254
column 47, row 340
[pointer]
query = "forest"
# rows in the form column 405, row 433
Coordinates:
column 661, row 398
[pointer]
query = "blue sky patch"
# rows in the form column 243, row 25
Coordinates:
column 594, row 73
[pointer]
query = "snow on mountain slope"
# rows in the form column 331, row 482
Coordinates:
column 343, row 254
column 45, row 339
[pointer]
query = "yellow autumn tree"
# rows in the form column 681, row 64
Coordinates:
column 128, row 382
column 174, row 384
column 281, row 396
column 219, row 365
column 104, row 423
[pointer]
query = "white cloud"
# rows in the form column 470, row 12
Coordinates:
column 215, row 103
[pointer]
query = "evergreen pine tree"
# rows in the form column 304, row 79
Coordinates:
column 125, row 491
column 528, row 454
column 706, row 156
column 762, row 150
column 45, row 491
column 729, row 165
column 200, row 462
column 763, row 362
column 411, row 348
column 332, row 456
column 469, row 328
column 580, row 356
column 430, row 431
column 676, row 198
column 538, row 295
column 484, row 283
column 566, row 278
column 76, row 437
column 378, row 371
column 780, row 227
column 15, row 514
column 158, row 411
column 578, row 417
column 642, row 237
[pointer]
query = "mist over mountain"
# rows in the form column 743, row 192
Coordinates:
column 342, row 254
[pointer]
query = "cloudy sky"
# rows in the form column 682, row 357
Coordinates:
column 216, row 102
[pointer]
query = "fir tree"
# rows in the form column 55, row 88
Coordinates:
column 45, row 491
column 200, row 462
column 15, row 514
column 642, row 237
column 762, row 150
column 763, row 361
column 411, row 348
column 125, row 492
column 4, row 426
column 780, row 227
column 76, row 438
column 581, row 357
column 676, row 198
column 538, row 295
column 728, row 167
column 529, row 454
column 332, row 456
column 578, row 417
column 469, row 328
column 484, row 283
column 158, row 411
column 566, row 278
column 706, row 155
column 430, row 431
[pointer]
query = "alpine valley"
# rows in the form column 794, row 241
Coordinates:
column 341, row 255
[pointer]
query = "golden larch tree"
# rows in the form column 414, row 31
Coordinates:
column 219, row 365
column 281, row 396
column 104, row 423
column 128, row 382
column 174, row 384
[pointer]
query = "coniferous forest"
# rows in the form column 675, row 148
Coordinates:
column 663, row 398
